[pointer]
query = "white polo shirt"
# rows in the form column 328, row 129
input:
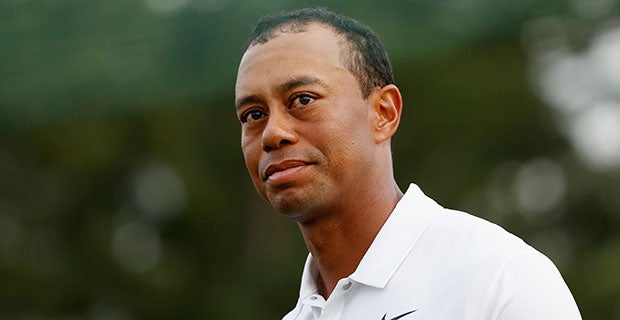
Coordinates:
column 432, row 263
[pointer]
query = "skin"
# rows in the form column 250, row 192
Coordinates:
column 315, row 148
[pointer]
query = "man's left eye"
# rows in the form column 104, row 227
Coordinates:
column 301, row 100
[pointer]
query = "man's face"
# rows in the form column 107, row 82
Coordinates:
column 306, row 128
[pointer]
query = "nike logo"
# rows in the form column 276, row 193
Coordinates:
column 398, row 317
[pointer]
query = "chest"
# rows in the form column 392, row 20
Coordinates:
column 403, row 299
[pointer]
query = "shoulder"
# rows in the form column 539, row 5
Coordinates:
column 456, row 233
column 476, row 237
column 515, row 280
column 530, row 285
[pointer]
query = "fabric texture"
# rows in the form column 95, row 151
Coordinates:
column 429, row 262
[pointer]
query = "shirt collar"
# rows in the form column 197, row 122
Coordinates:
column 309, row 279
column 390, row 247
column 396, row 238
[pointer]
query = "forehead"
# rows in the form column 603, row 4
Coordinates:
column 313, row 35
column 316, row 48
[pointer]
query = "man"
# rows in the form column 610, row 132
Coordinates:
column 317, row 103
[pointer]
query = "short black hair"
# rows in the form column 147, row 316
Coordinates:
column 365, row 58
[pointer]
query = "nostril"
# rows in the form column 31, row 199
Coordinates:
column 277, row 133
column 269, row 147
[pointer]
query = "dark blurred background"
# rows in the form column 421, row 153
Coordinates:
column 123, row 192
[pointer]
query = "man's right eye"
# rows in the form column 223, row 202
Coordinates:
column 251, row 115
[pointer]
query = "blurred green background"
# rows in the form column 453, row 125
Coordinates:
column 123, row 193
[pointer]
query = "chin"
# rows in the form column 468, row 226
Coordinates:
column 299, row 201
column 289, row 206
column 296, row 208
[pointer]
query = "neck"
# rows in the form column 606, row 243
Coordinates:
column 339, row 240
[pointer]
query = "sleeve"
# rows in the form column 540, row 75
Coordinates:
column 530, row 287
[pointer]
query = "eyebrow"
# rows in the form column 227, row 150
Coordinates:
column 298, row 82
column 247, row 100
column 283, row 87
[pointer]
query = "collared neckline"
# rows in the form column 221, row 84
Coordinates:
column 396, row 239
column 390, row 247
column 309, row 279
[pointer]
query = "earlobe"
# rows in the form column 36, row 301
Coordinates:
column 388, row 108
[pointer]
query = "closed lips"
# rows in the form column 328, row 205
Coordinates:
column 285, row 165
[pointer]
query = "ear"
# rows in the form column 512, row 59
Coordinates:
column 388, row 105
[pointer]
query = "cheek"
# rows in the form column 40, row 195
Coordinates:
column 251, row 156
column 341, row 143
column 350, row 140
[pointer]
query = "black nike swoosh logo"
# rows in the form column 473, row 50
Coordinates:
column 398, row 317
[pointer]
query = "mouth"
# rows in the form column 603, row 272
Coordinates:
column 282, row 167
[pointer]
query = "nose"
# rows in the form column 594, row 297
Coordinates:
column 278, row 132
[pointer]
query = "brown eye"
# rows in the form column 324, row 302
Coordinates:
column 301, row 101
column 305, row 100
column 251, row 115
